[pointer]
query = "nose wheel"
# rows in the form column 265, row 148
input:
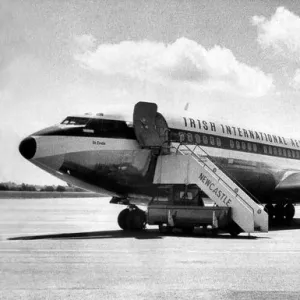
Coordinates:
column 132, row 218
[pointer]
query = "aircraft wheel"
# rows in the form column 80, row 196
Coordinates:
column 136, row 219
column 123, row 219
column 279, row 212
column 234, row 229
column 269, row 208
column 289, row 212
column 188, row 230
column 214, row 231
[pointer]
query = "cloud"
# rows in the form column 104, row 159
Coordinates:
column 280, row 33
column 184, row 61
column 85, row 42
column 295, row 82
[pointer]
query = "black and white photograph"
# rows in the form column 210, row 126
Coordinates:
column 149, row 149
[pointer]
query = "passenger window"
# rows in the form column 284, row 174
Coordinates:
column 270, row 150
column 284, row 152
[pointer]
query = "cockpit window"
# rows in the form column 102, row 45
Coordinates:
column 75, row 121
column 96, row 127
column 106, row 126
column 109, row 128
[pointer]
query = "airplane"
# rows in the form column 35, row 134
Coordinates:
column 110, row 154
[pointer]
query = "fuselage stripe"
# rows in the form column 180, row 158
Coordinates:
column 216, row 141
column 191, row 137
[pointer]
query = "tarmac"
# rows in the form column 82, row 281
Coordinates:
column 74, row 249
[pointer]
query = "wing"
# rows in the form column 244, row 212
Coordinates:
column 289, row 182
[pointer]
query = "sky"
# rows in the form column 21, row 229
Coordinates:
column 233, row 61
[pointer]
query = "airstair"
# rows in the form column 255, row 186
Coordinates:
column 188, row 167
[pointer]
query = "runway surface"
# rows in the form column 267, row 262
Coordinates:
column 73, row 249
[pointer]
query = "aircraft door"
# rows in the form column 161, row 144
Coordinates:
column 151, row 128
column 162, row 129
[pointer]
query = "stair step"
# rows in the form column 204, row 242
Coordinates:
column 190, row 168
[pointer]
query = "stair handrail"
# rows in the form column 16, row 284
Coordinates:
column 224, row 171
column 230, row 188
column 165, row 145
column 218, row 165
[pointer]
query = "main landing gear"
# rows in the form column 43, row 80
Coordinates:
column 281, row 212
column 132, row 218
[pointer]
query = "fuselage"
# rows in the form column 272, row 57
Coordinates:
column 100, row 153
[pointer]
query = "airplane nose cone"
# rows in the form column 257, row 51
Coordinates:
column 28, row 147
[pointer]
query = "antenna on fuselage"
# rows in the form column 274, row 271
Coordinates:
column 187, row 106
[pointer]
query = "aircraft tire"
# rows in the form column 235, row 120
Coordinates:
column 137, row 219
column 214, row 231
column 269, row 208
column 188, row 230
column 123, row 219
column 279, row 213
column 289, row 212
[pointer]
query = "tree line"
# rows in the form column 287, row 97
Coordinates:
column 10, row 186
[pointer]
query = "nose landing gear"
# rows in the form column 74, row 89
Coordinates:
column 132, row 218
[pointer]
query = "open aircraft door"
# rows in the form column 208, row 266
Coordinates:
column 151, row 128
